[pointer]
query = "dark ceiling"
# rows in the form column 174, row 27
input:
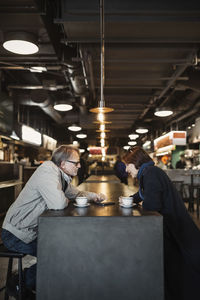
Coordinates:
column 151, row 60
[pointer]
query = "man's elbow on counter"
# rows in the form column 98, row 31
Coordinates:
column 59, row 205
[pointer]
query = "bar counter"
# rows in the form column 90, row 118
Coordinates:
column 98, row 252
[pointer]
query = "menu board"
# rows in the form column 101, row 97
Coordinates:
column 48, row 142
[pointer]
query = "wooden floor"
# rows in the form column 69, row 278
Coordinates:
column 29, row 260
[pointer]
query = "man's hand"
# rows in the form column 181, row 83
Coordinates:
column 100, row 197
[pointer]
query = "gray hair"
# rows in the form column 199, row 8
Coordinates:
column 63, row 153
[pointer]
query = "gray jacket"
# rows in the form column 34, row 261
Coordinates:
column 43, row 191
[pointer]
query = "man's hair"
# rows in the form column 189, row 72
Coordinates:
column 137, row 156
column 63, row 153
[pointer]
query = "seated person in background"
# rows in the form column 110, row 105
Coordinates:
column 48, row 188
column 120, row 170
column 83, row 170
column 181, row 164
column 181, row 235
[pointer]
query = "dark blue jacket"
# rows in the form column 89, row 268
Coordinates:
column 181, row 235
column 120, row 169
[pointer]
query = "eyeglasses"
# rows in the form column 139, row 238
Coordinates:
column 76, row 163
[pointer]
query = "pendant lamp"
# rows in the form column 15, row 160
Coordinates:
column 101, row 104
column 24, row 43
column 163, row 112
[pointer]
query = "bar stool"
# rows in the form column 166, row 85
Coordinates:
column 178, row 185
column 4, row 252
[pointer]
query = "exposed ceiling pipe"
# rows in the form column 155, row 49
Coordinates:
column 179, row 71
column 37, row 87
column 91, row 74
column 75, row 71
column 40, row 99
column 186, row 115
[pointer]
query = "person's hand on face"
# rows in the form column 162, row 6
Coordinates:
column 131, row 169
column 71, row 166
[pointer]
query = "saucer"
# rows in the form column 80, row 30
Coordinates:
column 81, row 205
column 127, row 206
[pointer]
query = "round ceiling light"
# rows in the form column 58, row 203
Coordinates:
column 126, row 147
column 133, row 136
column 74, row 127
column 163, row 112
column 20, row 43
column 82, row 150
column 132, row 143
column 142, row 130
column 62, row 106
column 81, row 135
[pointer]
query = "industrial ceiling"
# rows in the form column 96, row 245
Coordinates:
column 151, row 60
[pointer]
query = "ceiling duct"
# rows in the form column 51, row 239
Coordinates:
column 194, row 79
column 39, row 98
column 75, row 70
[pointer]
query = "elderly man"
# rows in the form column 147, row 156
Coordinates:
column 48, row 188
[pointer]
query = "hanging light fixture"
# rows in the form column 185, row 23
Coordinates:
column 101, row 109
column 74, row 127
column 106, row 130
column 64, row 102
column 142, row 130
column 81, row 135
column 132, row 143
column 75, row 143
column 103, row 122
column 126, row 147
column 163, row 112
column 24, row 43
column 133, row 136
column 61, row 105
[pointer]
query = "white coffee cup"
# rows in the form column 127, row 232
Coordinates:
column 126, row 201
column 81, row 200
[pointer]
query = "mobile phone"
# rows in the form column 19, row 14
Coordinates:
column 105, row 203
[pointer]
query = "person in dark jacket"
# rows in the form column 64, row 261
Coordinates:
column 181, row 164
column 181, row 236
column 120, row 170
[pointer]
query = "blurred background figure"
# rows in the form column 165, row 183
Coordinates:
column 181, row 164
column 83, row 170
column 120, row 170
column 169, row 163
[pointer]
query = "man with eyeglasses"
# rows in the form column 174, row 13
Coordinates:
column 48, row 188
